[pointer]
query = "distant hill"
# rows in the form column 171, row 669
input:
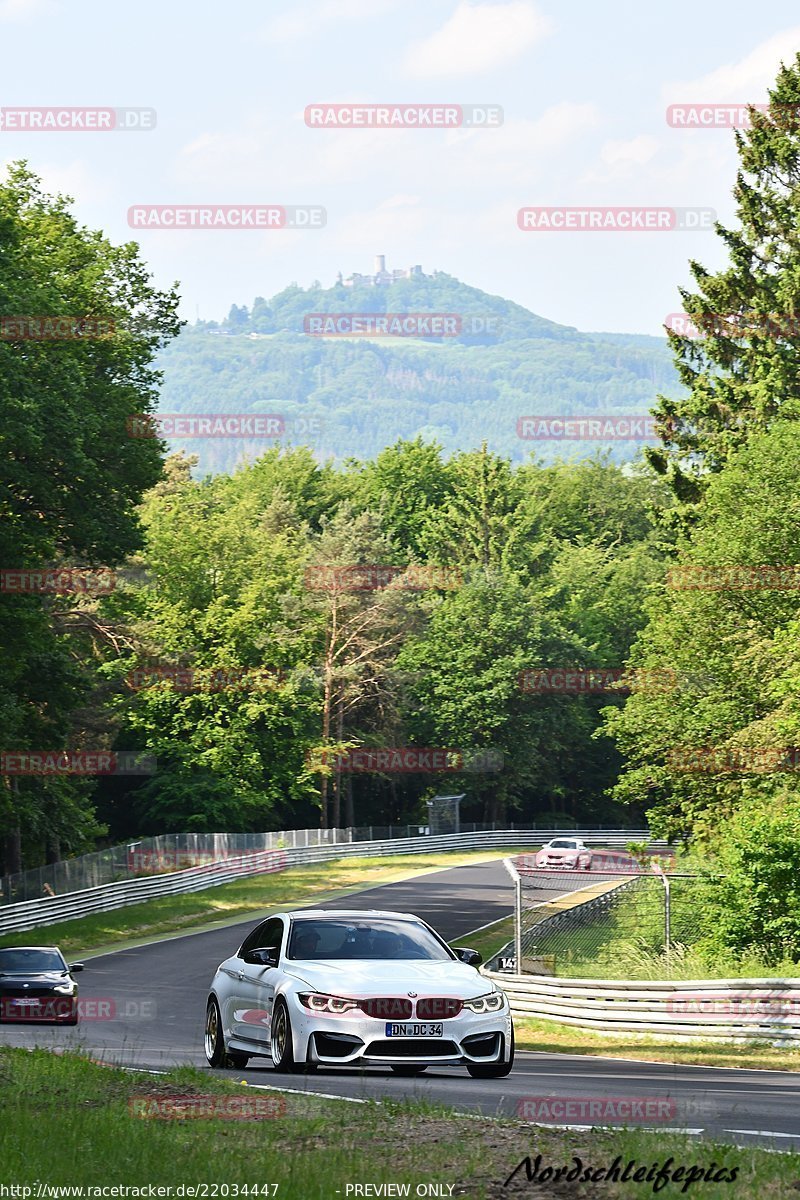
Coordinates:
column 351, row 396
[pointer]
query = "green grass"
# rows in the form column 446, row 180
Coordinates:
column 552, row 1038
column 232, row 902
column 68, row 1122
column 489, row 940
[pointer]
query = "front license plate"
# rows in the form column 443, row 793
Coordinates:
column 424, row 1030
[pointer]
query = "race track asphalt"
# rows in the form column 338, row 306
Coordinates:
column 149, row 1002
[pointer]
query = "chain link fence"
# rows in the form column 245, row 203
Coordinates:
column 618, row 918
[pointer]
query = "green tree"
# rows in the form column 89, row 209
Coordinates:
column 742, row 373
column 71, row 475
column 725, row 622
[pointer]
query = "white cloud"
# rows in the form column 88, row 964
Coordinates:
column 312, row 159
column 635, row 152
column 513, row 153
column 745, row 81
column 21, row 10
column 478, row 38
column 400, row 217
column 292, row 25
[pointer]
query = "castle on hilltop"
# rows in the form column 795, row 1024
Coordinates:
column 381, row 276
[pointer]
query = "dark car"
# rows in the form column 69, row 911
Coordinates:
column 37, row 985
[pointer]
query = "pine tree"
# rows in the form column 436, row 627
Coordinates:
column 742, row 372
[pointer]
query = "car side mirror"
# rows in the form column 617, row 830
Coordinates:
column 471, row 957
column 264, row 956
column 76, row 966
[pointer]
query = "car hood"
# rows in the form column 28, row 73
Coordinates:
column 358, row 977
column 18, row 979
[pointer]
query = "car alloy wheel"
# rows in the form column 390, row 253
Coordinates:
column 280, row 1038
column 216, row 1053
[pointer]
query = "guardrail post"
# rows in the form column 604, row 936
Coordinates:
column 666, row 913
column 518, row 923
column 517, row 880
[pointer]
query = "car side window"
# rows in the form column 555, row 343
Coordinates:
column 268, row 933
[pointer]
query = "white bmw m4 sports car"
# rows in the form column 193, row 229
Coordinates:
column 345, row 988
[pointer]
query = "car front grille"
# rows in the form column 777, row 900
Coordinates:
column 28, row 993
column 438, row 1008
column 411, row 1048
column 389, row 1008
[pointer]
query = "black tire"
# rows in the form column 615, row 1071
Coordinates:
column 280, row 1039
column 496, row 1070
column 218, row 1056
column 403, row 1069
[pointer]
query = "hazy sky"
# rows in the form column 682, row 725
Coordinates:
column 584, row 88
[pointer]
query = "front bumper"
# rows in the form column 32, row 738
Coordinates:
column 558, row 864
column 38, row 1010
column 356, row 1038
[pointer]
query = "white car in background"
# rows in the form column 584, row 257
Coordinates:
column 570, row 854
column 346, row 988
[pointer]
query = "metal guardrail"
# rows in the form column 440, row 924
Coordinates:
column 724, row 1010
column 133, row 858
column 33, row 914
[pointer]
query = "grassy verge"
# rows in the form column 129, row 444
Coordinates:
column 230, row 902
column 552, row 1038
column 489, row 940
column 70, row 1122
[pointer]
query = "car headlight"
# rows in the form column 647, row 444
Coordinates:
column 65, row 989
column 318, row 1002
column 489, row 1002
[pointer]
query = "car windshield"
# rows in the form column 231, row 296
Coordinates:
column 562, row 845
column 30, row 961
column 363, row 939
